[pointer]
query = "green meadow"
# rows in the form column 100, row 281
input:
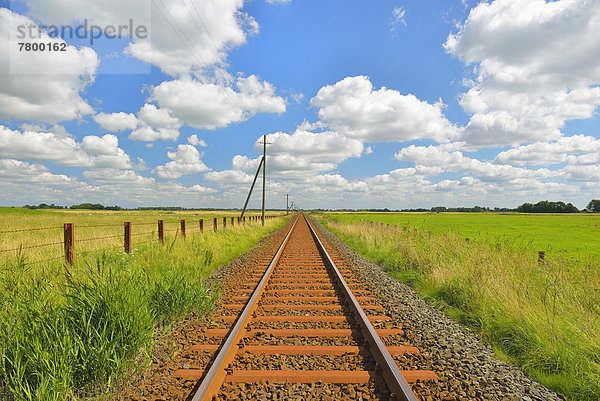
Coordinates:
column 572, row 235
column 72, row 331
column 543, row 316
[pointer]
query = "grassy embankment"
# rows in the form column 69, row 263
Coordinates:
column 545, row 317
column 67, row 331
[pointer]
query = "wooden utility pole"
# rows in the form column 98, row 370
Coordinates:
column 287, row 204
column 264, row 176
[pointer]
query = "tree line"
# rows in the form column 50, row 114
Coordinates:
column 540, row 207
column 82, row 206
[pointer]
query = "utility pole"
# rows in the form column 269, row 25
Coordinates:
column 287, row 204
column 264, row 176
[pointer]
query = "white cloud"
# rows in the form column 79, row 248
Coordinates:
column 278, row 1
column 202, row 190
column 589, row 174
column 45, row 86
column 193, row 140
column 437, row 160
column 117, row 122
column 145, row 133
column 117, row 177
column 186, row 36
column 354, row 109
column 228, row 177
column 296, row 157
column 534, row 68
column 578, row 149
column 155, row 124
column 186, row 160
column 206, row 105
column 159, row 118
column 328, row 147
column 92, row 152
column 20, row 172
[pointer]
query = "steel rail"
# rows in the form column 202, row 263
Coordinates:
column 214, row 378
column 392, row 375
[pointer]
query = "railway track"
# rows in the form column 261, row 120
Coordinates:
column 303, row 320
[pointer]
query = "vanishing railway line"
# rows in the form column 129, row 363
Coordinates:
column 304, row 320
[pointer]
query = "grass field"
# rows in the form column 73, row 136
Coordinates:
column 47, row 226
column 542, row 316
column 70, row 332
column 575, row 236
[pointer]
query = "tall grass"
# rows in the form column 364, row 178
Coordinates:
column 69, row 332
column 543, row 316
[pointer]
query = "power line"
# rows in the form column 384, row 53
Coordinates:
column 200, row 29
column 186, row 41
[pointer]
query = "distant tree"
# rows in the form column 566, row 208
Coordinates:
column 438, row 209
column 94, row 206
column 547, row 207
column 594, row 206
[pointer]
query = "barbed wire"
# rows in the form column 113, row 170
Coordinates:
column 146, row 233
column 99, row 238
column 30, row 229
column 32, row 246
column 101, row 225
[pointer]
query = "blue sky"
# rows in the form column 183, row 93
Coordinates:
column 366, row 104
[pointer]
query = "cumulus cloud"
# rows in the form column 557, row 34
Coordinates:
column 186, row 35
column 437, row 160
column 117, row 122
column 577, row 149
column 353, row 108
column 526, row 92
column 228, row 177
column 20, row 172
column 186, row 160
column 328, row 147
column 293, row 156
column 117, row 177
column 193, row 140
column 45, row 86
column 155, row 124
column 92, row 152
column 211, row 105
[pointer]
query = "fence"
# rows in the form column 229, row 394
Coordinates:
column 128, row 234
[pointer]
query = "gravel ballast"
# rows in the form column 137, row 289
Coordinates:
column 466, row 366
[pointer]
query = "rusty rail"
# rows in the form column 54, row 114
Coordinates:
column 213, row 379
column 220, row 370
column 393, row 378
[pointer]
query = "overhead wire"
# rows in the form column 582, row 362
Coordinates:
column 200, row 29
column 181, row 33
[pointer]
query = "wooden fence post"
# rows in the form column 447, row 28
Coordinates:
column 239, row 220
column 215, row 225
column 201, row 226
column 161, row 231
column 69, row 243
column 232, row 221
column 224, row 222
column 127, row 237
column 541, row 256
column 183, row 228
column 244, row 220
